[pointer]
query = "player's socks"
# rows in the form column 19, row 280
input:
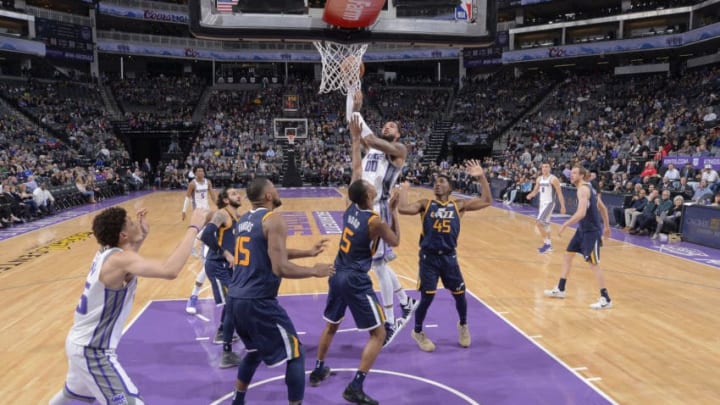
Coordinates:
column 561, row 284
column 239, row 398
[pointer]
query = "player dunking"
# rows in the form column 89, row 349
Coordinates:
column 381, row 167
column 593, row 224
column 219, row 238
column 261, row 261
column 438, row 258
column 199, row 194
column 547, row 186
column 94, row 373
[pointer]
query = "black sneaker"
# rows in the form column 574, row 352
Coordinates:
column 318, row 376
column 358, row 396
column 391, row 331
column 409, row 308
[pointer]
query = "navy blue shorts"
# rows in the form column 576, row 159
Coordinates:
column 353, row 289
column 440, row 267
column 587, row 244
column 220, row 274
column 265, row 327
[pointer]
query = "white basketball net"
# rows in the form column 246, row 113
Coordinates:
column 291, row 139
column 337, row 74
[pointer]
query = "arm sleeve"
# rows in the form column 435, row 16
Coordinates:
column 210, row 239
column 186, row 204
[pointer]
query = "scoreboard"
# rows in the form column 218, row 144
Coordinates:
column 65, row 40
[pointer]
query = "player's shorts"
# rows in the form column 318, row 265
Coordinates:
column 265, row 327
column 96, row 375
column 220, row 274
column 587, row 244
column 545, row 213
column 353, row 289
column 382, row 250
column 434, row 267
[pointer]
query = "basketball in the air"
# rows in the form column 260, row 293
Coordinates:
column 346, row 67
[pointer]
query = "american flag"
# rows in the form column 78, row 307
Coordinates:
column 225, row 6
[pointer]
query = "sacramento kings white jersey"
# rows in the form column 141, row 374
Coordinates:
column 200, row 199
column 379, row 171
column 547, row 192
column 101, row 312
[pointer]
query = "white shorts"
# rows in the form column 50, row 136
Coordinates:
column 545, row 213
column 96, row 375
column 382, row 208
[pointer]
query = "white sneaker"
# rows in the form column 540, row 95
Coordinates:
column 424, row 343
column 602, row 303
column 555, row 293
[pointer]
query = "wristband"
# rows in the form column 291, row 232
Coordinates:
column 197, row 228
column 365, row 128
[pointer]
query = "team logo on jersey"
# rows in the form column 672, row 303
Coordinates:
column 443, row 213
column 119, row 399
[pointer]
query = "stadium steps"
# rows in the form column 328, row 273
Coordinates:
column 437, row 142
column 109, row 101
column 201, row 107
column 500, row 142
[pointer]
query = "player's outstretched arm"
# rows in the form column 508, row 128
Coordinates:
column 355, row 133
column 406, row 207
column 379, row 229
column 128, row 261
column 473, row 168
column 276, row 233
column 318, row 248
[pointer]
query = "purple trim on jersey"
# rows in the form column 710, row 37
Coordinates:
column 78, row 396
column 122, row 381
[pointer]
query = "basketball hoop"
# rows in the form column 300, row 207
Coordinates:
column 291, row 139
column 341, row 66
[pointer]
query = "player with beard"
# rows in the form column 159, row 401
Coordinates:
column 261, row 261
column 219, row 238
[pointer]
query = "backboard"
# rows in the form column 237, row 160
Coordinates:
column 282, row 127
column 466, row 22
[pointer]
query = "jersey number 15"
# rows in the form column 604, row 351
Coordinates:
column 242, row 251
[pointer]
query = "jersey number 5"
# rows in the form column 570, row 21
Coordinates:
column 442, row 226
column 345, row 243
column 240, row 249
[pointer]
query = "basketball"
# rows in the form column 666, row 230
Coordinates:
column 347, row 68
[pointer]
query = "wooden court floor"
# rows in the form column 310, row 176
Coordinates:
column 660, row 344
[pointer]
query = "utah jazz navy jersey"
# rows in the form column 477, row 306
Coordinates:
column 441, row 226
column 592, row 222
column 225, row 237
column 356, row 248
column 253, row 276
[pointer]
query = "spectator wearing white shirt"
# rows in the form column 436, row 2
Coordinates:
column 672, row 173
column 44, row 199
column 711, row 178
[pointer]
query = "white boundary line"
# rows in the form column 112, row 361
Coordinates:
column 554, row 357
column 132, row 321
column 374, row 371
